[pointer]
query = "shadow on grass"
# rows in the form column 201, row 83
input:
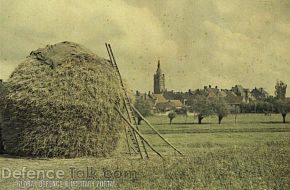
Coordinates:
column 213, row 123
column 274, row 122
column 193, row 123
column 182, row 123
column 21, row 157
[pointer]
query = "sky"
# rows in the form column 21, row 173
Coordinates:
column 198, row 42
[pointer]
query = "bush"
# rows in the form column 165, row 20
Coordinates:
column 144, row 107
column 171, row 116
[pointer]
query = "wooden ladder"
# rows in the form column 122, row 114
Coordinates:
column 135, row 141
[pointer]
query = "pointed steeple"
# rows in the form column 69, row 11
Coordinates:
column 158, row 71
column 159, row 80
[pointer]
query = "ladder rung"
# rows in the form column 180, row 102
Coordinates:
column 136, row 141
column 135, row 151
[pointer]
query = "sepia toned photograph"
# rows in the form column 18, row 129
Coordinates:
column 145, row 95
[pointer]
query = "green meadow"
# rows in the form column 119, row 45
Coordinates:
column 251, row 151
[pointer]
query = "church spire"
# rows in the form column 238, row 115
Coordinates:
column 159, row 80
column 159, row 72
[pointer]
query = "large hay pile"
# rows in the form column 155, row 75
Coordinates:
column 60, row 103
column 1, row 116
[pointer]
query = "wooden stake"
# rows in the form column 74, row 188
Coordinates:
column 138, row 133
column 147, row 122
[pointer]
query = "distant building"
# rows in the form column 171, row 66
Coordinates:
column 160, row 102
column 159, row 80
column 171, row 95
column 169, row 105
column 240, row 91
column 157, row 98
column 232, row 98
column 211, row 92
column 259, row 93
column 164, row 100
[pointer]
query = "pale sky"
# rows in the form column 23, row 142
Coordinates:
column 199, row 42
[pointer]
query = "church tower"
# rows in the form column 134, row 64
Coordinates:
column 159, row 80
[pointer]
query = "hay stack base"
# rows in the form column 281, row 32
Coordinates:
column 1, row 115
column 1, row 143
column 60, row 103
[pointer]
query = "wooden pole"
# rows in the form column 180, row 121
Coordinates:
column 140, row 135
column 109, row 55
column 126, row 99
column 147, row 122
column 112, row 64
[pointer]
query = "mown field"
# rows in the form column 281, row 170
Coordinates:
column 251, row 153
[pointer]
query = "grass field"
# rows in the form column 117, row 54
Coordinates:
column 251, row 153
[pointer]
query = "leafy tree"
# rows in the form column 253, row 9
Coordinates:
column 171, row 116
column 280, row 90
column 235, row 110
column 144, row 107
column 202, row 106
column 281, row 104
column 283, row 107
column 220, row 108
column 263, row 106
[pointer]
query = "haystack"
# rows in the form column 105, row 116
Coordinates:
column 1, row 115
column 60, row 103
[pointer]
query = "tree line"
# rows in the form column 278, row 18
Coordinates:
column 204, row 106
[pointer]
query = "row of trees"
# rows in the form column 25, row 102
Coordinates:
column 200, row 104
column 204, row 106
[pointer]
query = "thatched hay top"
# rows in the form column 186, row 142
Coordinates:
column 64, row 70
column 60, row 102
column 57, row 52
